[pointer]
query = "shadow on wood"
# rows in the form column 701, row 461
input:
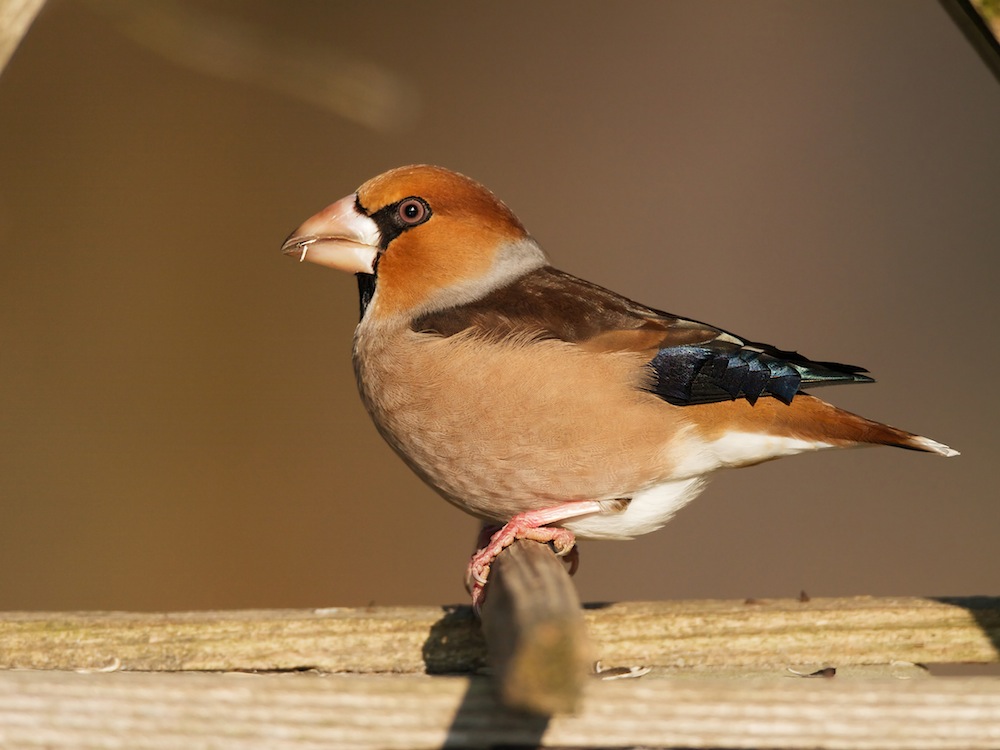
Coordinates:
column 455, row 644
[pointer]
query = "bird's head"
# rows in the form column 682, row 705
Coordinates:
column 420, row 238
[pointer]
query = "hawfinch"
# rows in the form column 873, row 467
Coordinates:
column 541, row 403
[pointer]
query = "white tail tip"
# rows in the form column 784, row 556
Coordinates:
column 933, row 446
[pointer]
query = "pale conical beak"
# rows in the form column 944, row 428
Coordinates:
column 339, row 236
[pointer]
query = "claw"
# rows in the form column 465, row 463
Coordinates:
column 573, row 560
column 531, row 525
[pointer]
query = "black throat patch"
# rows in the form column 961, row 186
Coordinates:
column 366, row 290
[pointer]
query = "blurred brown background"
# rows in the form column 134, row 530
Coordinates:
column 179, row 426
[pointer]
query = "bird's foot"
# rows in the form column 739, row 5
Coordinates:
column 562, row 540
column 530, row 526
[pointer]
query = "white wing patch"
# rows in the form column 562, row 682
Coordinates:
column 745, row 448
column 697, row 456
column 651, row 509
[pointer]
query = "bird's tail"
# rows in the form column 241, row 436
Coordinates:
column 826, row 422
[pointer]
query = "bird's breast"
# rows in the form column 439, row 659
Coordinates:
column 500, row 427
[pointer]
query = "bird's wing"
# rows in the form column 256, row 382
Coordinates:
column 691, row 362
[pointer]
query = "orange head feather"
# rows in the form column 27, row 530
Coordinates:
column 468, row 242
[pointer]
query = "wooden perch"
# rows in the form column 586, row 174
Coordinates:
column 382, row 698
column 764, row 636
column 534, row 630
column 139, row 711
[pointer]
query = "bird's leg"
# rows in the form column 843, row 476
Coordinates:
column 531, row 525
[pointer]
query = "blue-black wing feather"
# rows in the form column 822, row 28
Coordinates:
column 723, row 370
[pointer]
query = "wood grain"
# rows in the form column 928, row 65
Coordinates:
column 763, row 636
column 296, row 711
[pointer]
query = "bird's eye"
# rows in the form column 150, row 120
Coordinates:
column 412, row 211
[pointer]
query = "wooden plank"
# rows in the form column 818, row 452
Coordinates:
column 16, row 17
column 770, row 633
column 293, row 711
column 534, row 630
column 707, row 634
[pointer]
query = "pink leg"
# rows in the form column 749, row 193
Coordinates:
column 532, row 526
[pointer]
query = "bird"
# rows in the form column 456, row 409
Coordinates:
column 547, row 406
